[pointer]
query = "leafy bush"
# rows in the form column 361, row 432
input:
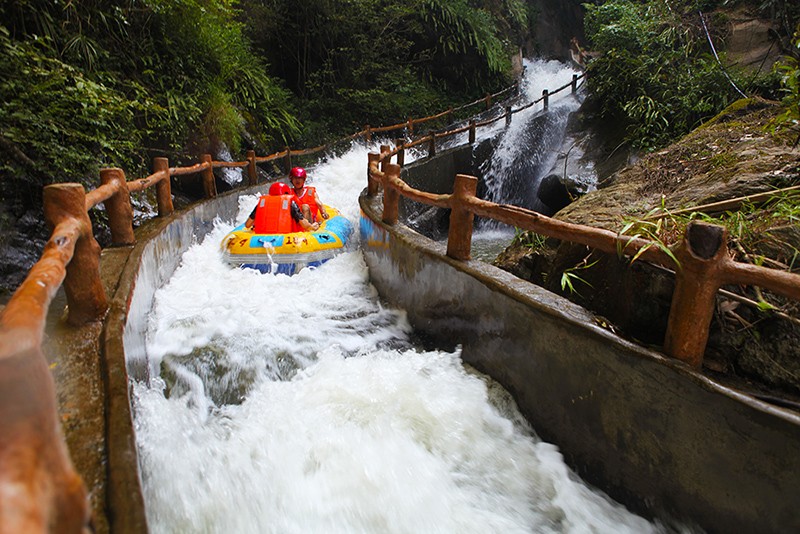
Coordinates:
column 206, row 46
column 59, row 124
column 789, row 70
column 166, row 77
column 656, row 74
column 370, row 61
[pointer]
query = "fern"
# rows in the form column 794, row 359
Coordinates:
column 463, row 29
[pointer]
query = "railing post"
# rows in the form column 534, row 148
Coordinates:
column 410, row 128
column 472, row 131
column 252, row 172
column 163, row 188
column 384, row 159
column 367, row 133
column 459, row 237
column 450, row 115
column 488, row 101
column 40, row 484
column 118, row 207
column 372, row 182
column 86, row 297
column 574, row 83
column 432, row 145
column 546, row 99
column 401, row 152
column 701, row 254
column 209, row 185
column 391, row 196
column 508, row 115
column 288, row 159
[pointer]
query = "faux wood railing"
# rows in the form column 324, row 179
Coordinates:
column 704, row 264
column 40, row 490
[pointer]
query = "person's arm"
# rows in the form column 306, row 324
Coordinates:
column 297, row 215
column 251, row 219
column 322, row 212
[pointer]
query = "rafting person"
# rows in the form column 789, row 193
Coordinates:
column 279, row 212
column 306, row 197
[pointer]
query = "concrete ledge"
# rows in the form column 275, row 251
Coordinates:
column 655, row 435
column 93, row 366
column 152, row 261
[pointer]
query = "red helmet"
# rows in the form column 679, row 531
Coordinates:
column 297, row 172
column 279, row 188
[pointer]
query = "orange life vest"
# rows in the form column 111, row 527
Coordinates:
column 274, row 215
column 309, row 197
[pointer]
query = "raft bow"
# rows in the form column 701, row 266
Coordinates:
column 287, row 253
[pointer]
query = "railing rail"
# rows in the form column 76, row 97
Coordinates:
column 703, row 264
column 432, row 138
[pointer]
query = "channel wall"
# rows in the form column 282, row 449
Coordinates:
column 148, row 265
column 652, row 433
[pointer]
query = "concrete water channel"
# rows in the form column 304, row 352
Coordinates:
column 652, row 433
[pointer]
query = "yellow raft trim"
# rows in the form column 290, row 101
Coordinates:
column 242, row 245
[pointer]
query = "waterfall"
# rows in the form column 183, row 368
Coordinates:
column 527, row 149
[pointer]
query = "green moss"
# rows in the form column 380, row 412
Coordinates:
column 736, row 109
column 723, row 160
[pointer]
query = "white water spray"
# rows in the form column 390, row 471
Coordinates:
column 301, row 405
column 527, row 148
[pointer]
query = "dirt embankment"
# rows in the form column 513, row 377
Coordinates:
column 733, row 155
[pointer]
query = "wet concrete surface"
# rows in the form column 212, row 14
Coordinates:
column 74, row 356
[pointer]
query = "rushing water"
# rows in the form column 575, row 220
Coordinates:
column 526, row 149
column 303, row 405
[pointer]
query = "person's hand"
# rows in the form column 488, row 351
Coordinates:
column 315, row 225
column 324, row 214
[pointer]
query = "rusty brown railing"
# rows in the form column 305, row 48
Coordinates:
column 432, row 138
column 703, row 267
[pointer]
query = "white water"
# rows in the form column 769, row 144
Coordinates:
column 525, row 152
column 302, row 405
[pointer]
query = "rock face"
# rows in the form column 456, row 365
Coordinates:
column 751, row 43
column 728, row 157
column 557, row 22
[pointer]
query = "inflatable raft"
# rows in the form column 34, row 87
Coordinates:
column 287, row 252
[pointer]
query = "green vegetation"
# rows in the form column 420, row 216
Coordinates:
column 116, row 82
column 760, row 233
column 372, row 62
column 570, row 278
column 649, row 230
column 530, row 240
column 58, row 120
column 113, row 83
column 657, row 74
column 789, row 70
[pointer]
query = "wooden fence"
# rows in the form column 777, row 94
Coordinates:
column 703, row 267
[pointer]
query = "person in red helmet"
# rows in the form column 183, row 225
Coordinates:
column 307, row 197
column 279, row 189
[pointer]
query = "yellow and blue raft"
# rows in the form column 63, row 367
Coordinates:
column 287, row 253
